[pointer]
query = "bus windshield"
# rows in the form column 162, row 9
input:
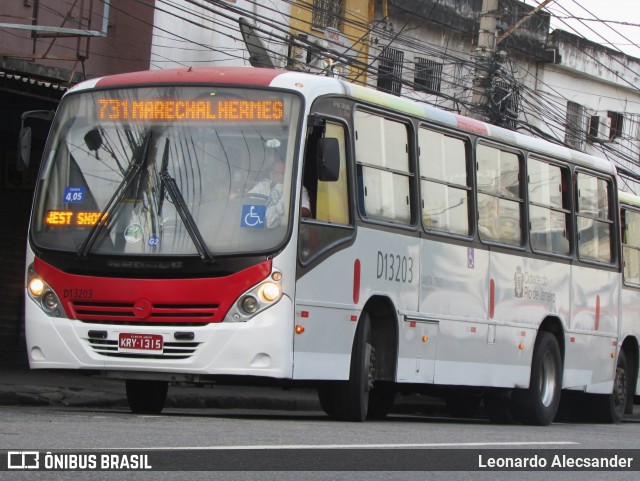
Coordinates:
column 168, row 170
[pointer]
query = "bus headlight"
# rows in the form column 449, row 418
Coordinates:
column 50, row 301
column 250, row 304
column 269, row 291
column 36, row 287
column 256, row 299
column 42, row 294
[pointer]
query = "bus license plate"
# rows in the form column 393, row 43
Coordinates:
column 140, row 342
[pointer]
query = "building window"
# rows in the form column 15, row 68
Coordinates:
column 575, row 132
column 390, row 71
column 327, row 13
column 428, row 75
column 616, row 125
column 505, row 100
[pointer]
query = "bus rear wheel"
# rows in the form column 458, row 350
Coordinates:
column 146, row 397
column 349, row 400
column 538, row 404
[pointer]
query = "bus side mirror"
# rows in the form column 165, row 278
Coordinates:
column 328, row 158
column 24, row 139
column 24, row 149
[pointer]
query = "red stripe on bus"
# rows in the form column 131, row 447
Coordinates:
column 197, row 75
column 356, row 281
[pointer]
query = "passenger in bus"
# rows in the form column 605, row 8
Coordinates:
column 272, row 189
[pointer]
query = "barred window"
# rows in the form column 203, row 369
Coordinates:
column 428, row 75
column 390, row 71
column 327, row 13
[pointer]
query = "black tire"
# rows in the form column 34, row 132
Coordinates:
column 349, row 400
column 538, row 404
column 610, row 408
column 146, row 397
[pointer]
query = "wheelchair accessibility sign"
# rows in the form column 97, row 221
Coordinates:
column 254, row 216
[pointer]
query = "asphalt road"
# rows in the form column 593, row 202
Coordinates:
column 240, row 444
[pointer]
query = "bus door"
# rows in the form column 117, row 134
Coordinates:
column 324, row 312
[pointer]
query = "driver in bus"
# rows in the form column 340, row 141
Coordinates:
column 271, row 187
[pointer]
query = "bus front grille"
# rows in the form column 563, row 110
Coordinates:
column 148, row 314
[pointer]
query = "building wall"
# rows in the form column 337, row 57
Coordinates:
column 125, row 48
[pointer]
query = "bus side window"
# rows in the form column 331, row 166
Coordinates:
column 499, row 195
column 631, row 246
column 384, row 173
column 594, row 218
column 444, row 183
column 549, row 207
column 332, row 200
column 329, row 199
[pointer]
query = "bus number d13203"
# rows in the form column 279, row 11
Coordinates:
column 394, row 267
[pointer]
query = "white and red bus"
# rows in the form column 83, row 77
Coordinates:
column 441, row 254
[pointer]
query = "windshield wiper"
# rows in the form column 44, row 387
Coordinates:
column 105, row 217
column 173, row 191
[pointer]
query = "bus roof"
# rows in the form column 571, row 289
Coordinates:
column 629, row 198
column 315, row 85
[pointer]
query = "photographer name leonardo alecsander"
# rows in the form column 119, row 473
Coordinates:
column 558, row 461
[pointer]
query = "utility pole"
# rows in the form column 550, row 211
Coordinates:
column 489, row 59
column 485, row 53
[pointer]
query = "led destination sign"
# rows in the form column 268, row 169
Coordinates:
column 66, row 217
column 163, row 110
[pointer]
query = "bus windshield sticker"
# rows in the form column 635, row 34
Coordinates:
column 73, row 194
column 253, row 216
column 133, row 233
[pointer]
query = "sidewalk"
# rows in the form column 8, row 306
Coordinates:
column 22, row 386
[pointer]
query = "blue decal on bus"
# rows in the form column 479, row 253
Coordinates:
column 73, row 194
column 254, row 216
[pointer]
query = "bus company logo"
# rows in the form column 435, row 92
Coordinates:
column 23, row 460
column 518, row 283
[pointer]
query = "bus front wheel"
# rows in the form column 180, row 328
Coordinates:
column 538, row 404
column 349, row 400
column 146, row 397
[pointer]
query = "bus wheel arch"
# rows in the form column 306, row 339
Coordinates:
column 538, row 404
column 383, row 320
column 611, row 408
column 369, row 391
